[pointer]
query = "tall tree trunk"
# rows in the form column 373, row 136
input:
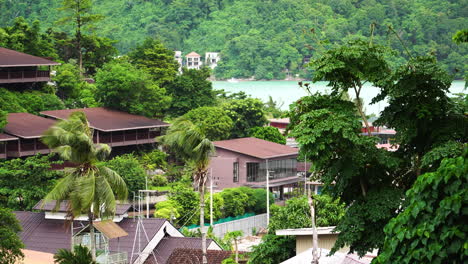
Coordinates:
column 369, row 133
column 201, row 189
column 237, row 250
column 92, row 237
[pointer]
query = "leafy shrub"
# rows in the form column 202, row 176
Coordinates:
column 158, row 180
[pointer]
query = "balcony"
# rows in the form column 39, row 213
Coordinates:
column 24, row 76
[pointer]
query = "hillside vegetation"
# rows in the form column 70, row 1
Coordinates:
column 263, row 38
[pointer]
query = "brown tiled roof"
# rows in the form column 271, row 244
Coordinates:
column 120, row 209
column 105, row 119
column 49, row 235
column 25, row 125
column 255, row 147
column 5, row 137
column 194, row 256
column 168, row 244
column 12, row 58
column 192, row 54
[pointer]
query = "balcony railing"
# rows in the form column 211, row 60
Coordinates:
column 24, row 76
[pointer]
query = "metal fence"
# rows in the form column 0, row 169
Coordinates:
column 246, row 225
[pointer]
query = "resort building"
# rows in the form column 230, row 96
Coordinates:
column 212, row 59
column 178, row 58
column 246, row 162
column 120, row 130
column 18, row 67
column 119, row 241
column 193, row 60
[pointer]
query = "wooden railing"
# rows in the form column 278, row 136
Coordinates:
column 10, row 76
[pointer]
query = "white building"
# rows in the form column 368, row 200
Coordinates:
column 178, row 58
column 211, row 59
column 193, row 60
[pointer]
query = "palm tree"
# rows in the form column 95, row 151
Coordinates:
column 190, row 144
column 79, row 255
column 90, row 187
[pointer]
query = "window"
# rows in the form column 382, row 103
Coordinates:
column 235, row 172
column 252, row 172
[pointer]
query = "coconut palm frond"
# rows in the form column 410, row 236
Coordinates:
column 106, row 197
column 116, row 182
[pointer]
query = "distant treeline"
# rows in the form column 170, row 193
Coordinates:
column 269, row 39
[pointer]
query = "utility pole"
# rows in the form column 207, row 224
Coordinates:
column 147, row 196
column 211, row 197
column 315, row 256
column 305, row 174
column 268, row 193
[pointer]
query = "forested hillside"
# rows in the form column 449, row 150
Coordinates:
column 266, row 37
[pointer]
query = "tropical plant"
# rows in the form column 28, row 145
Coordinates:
column 79, row 255
column 10, row 242
column 131, row 171
column 90, row 188
column 432, row 228
column 214, row 121
column 268, row 133
column 191, row 144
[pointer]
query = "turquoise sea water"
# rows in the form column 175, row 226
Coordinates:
column 287, row 92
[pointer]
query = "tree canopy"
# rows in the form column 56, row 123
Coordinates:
column 10, row 242
column 122, row 86
column 269, row 42
column 432, row 227
column 213, row 121
column 246, row 114
column 268, row 133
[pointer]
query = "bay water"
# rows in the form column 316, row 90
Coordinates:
column 287, row 92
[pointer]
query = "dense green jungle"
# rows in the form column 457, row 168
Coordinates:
column 268, row 38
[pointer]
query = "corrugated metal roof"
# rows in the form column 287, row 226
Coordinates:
column 5, row 137
column 110, row 229
column 12, row 58
column 25, row 125
column 107, row 120
column 120, row 209
column 255, row 147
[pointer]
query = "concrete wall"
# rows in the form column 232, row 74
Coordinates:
column 222, row 166
column 324, row 241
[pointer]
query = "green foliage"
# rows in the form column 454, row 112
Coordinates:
column 29, row 101
column 431, row 121
column 27, row 38
column 68, row 80
column 10, row 242
column 268, row 133
column 296, row 213
column 213, row 121
column 188, row 201
column 192, row 90
column 130, row 170
column 260, row 41
column 80, row 255
column 461, row 36
column 432, row 228
column 156, row 59
column 91, row 188
column 123, row 87
column 235, row 201
column 3, row 120
column 273, row 108
column 218, row 206
column 33, row 179
column 273, row 249
column 168, row 209
column 155, row 159
column 158, row 180
column 246, row 114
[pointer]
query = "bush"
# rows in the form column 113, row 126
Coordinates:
column 155, row 159
column 268, row 133
column 213, row 121
column 128, row 167
column 158, row 180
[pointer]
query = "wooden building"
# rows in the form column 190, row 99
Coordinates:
column 18, row 67
column 116, row 128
